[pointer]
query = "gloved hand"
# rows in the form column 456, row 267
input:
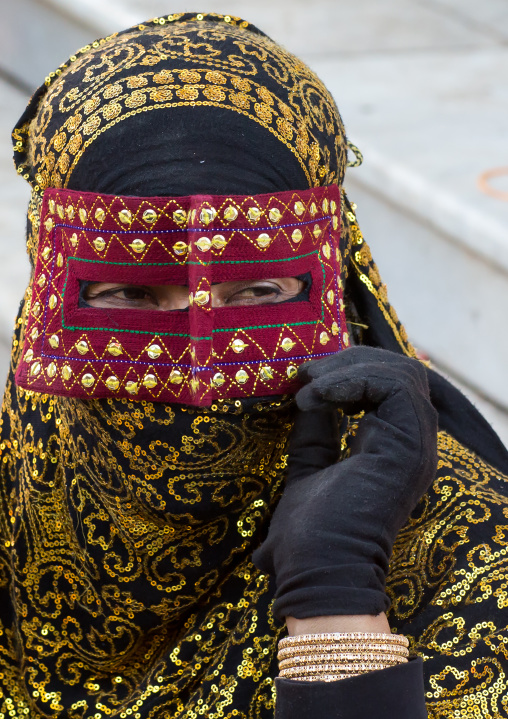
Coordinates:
column 332, row 533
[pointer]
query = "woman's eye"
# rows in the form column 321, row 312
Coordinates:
column 127, row 296
column 254, row 294
column 133, row 293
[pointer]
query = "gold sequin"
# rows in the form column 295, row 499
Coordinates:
column 266, row 373
column 207, row 215
column 203, row 244
column 230, row 213
column 324, row 338
column 180, row 248
column 150, row 381
column 137, row 245
column 83, row 215
column 180, row 217
column 54, row 341
column 100, row 214
column 238, row 345
column 51, row 369
column 176, row 377
column 35, row 368
column 131, row 387
column 263, row 239
column 125, row 216
column 66, row 372
column 112, row 383
column 150, row 216
column 53, row 301
column 154, row 351
column 274, row 214
column 99, row 243
column 114, row 348
column 291, row 371
column 88, row 380
column 296, row 235
column 218, row 379
column 218, row 241
column 299, row 208
column 82, row 347
column 201, row 297
column 241, row 376
column 287, row 344
column 253, row 213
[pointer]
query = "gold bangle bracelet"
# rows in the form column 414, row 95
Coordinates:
column 310, row 669
column 331, row 657
column 342, row 649
column 340, row 659
column 356, row 637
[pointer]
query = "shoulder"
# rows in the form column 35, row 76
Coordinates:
column 448, row 583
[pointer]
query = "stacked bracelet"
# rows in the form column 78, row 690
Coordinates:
column 330, row 657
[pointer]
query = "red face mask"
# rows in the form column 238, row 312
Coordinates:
column 205, row 353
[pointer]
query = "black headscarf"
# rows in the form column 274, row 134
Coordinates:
column 203, row 150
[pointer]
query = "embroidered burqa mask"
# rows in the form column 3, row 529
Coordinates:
column 131, row 515
column 196, row 242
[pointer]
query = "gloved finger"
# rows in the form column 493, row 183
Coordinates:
column 314, row 442
column 361, row 387
column 357, row 355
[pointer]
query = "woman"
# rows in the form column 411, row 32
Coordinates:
column 192, row 248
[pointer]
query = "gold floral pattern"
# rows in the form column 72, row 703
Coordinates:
column 447, row 581
column 130, row 66
column 92, row 563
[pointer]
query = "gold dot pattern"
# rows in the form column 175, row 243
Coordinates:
column 85, row 524
column 448, row 585
column 135, row 594
column 121, row 353
column 182, row 60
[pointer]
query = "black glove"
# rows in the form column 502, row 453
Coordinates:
column 332, row 533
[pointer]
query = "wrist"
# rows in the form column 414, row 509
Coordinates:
column 338, row 623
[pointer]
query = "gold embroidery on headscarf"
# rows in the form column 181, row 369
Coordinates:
column 204, row 75
column 447, row 582
column 191, row 645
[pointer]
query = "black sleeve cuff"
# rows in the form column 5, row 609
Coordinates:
column 394, row 692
